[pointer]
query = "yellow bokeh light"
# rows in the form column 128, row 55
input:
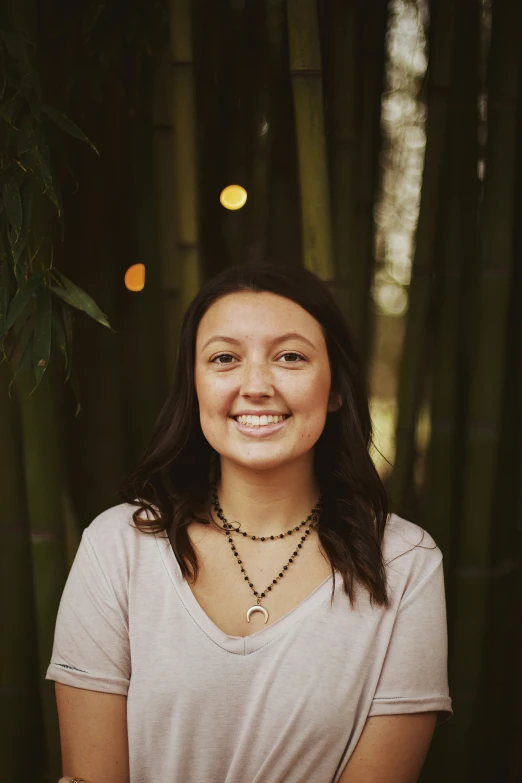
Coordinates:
column 135, row 277
column 233, row 197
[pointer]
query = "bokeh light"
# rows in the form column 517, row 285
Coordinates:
column 135, row 277
column 233, row 197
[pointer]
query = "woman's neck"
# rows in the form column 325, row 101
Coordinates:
column 267, row 502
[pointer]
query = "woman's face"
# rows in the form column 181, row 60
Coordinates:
column 261, row 355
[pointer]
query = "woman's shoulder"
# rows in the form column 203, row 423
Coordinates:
column 115, row 527
column 409, row 550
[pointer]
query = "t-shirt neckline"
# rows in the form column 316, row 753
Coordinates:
column 240, row 645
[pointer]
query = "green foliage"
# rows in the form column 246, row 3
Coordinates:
column 36, row 301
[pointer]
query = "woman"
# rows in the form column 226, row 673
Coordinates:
column 251, row 613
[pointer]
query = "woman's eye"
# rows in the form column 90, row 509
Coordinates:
column 222, row 356
column 227, row 358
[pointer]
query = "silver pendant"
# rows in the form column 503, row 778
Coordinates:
column 257, row 608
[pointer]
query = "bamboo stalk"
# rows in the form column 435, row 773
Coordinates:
column 144, row 319
column 236, row 97
column 412, row 367
column 21, row 730
column 371, row 59
column 165, row 199
column 344, row 144
column 456, row 253
column 307, row 84
column 44, row 487
column 284, row 221
column 481, row 572
column 516, row 425
column 455, row 247
column 185, row 158
column 264, row 126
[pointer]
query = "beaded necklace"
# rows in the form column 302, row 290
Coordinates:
column 235, row 526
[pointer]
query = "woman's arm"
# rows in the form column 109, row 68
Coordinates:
column 391, row 748
column 93, row 735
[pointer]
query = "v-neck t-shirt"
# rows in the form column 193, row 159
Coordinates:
column 286, row 704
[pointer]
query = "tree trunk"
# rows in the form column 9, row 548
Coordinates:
column 307, row 83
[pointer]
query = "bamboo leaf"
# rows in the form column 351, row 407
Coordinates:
column 20, row 358
column 76, row 297
column 42, row 334
column 10, row 108
column 58, row 336
column 37, row 163
column 26, row 139
column 68, row 322
column 4, row 297
column 65, row 337
column 22, row 297
column 75, row 386
column 19, row 243
column 67, row 125
column 13, row 205
column 23, row 365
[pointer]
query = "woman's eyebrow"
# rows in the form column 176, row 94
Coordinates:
column 288, row 336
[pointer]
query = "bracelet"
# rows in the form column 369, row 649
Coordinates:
column 77, row 780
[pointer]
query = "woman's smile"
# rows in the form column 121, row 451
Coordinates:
column 259, row 426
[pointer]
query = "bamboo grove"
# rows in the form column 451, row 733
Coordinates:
column 120, row 124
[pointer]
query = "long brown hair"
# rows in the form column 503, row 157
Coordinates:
column 171, row 481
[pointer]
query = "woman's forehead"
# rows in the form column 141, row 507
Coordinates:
column 263, row 312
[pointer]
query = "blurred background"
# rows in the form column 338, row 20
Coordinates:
column 146, row 145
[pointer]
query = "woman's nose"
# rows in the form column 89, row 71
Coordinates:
column 256, row 380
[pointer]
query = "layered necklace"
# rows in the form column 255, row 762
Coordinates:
column 235, row 527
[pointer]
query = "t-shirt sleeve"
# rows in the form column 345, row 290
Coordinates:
column 91, row 640
column 414, row 676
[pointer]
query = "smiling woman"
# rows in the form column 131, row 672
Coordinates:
column 255, row 502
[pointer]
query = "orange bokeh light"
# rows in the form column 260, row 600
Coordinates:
column 135, row 277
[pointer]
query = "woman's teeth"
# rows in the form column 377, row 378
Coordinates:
column 259, row 421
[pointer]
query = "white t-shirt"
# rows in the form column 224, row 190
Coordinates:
column 286, row 704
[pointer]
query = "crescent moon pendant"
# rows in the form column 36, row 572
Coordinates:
column 257, row 609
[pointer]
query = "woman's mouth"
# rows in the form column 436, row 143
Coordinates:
column 260, row 425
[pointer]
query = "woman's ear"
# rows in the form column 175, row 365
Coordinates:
column 334, row 403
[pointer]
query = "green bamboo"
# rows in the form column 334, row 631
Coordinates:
column 240, row 38
column 44, row 487
column 21, row 730
column 516, row 756
column 264, row 121
column 344, row 148
column 165, row 199
column 372, row 24
column 456, row 253
column 185, row 158
column 284, row 219
column 412, row 367
column 483, row 569
column 307, row 84
column 455, row 244
column 145, row 375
